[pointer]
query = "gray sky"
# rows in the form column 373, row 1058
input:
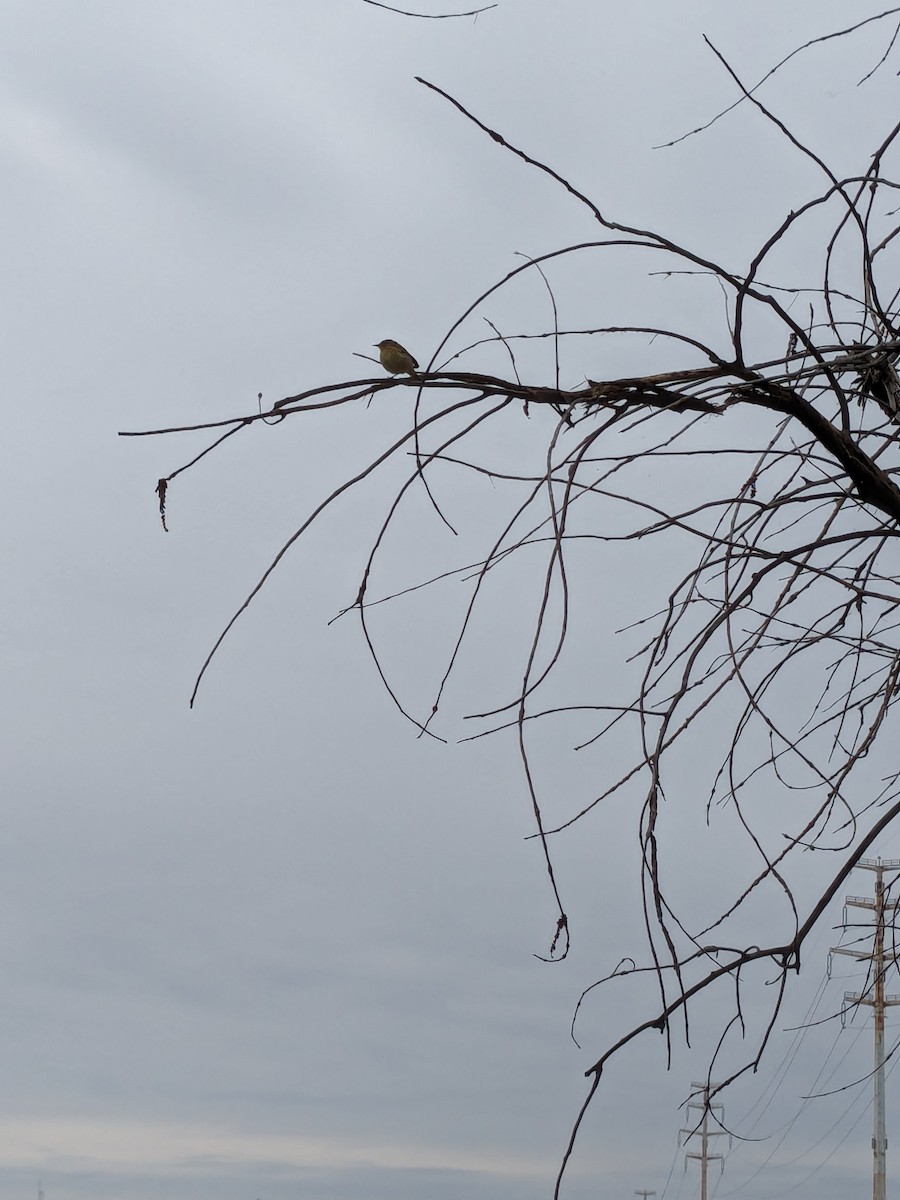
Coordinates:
column 277, row 945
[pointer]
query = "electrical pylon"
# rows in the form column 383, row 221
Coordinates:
column 875, row 997
column 703, row 1132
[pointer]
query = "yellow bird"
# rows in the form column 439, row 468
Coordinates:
column 395, row 359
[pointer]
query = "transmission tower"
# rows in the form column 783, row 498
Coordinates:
column 875, row 997
column 702, row 1131
column 645, row 1192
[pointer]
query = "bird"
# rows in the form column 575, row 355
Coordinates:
column 394, row 358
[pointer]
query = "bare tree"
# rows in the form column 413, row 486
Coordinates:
column 772, row 656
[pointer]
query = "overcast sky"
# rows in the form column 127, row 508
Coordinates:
column 277, row 945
